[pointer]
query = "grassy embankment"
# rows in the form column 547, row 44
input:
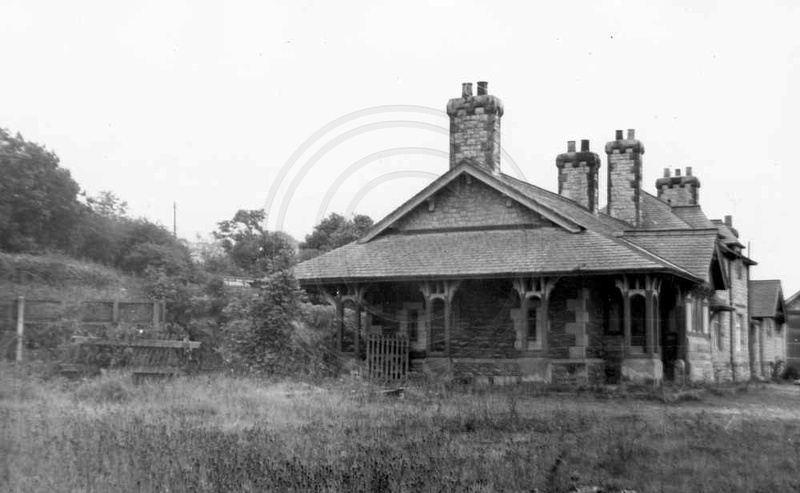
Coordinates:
column 58, row 277
column 223, row 434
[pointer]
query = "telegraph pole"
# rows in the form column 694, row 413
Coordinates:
column 174, row 218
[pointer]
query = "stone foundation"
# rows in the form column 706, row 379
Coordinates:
column 642, row 370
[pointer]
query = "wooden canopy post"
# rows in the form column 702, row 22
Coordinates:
column 20, row 326
column 450, row 289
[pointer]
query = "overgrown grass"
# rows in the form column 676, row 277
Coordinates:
column 224, row 434
column 60, row 277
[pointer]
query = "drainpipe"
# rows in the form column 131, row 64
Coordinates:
column 732, row 316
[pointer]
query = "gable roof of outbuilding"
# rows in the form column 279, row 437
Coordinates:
column 766, row 299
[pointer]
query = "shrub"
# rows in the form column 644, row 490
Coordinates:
column 792, row 372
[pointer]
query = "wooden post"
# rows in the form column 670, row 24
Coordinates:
column 626, row 327
column 340, row 325
column 20, row 326
column 357, row 336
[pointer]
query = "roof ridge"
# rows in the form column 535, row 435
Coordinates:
column 489, row 179
column 617, row 237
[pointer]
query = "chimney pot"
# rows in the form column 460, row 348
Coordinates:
column 570, row 146
column 688, row 171
column 729, row 221
column 466, row 89
column 619, row 135
column 483, row 88
column 631, row 134
column 677, row 172
column 584, row 145
column 666, row 172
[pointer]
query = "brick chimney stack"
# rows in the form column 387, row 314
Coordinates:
column 577, row 175
column 475, row 127
column 679, row 190
column 625, row 178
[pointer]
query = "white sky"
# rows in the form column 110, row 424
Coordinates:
column 205, row 103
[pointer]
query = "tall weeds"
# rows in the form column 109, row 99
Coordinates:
column 231, row 434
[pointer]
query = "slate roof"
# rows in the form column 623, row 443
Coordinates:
column 549, row 250
column 658, row 215
column 692, row 250
column 766, row 298
column 692, row 215
column 585, row 242
column 726, row 233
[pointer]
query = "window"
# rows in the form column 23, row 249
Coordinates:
column 532, row 328
column 768, row 321
column 533, row 325
column 638, row 334
column 413, row 325
column 718, row 332
column 705, row 318
column 738, row 269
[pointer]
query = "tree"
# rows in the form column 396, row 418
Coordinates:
column 39, row 205
column 253, row 249
column 107, row 204
column 333, row 232
column 261, row 335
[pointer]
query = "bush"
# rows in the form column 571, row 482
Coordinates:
column 792, row 372
column 275, row 333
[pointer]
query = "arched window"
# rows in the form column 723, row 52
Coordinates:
column 638, row 328
column 413, row 325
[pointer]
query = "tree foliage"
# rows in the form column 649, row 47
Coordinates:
column 251, row 248
column 39, row 206
column 259, row 335
column 333, row 232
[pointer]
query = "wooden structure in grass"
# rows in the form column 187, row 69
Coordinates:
column 146, row 358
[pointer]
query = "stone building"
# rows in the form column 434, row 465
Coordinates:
column 793, row 330
column 767, row 331
column 495, row 279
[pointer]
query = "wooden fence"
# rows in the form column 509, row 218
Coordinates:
column 144, row 358
column 387, row 358
column 21, row 318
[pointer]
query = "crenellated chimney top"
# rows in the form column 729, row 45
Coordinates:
column 475, row 127
column 625, row 177
column 577, row 175
column 678, row 190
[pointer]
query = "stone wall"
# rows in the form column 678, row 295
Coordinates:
column 482, row 325
column 576, row 320
column 700, row 358
column 774, row 346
